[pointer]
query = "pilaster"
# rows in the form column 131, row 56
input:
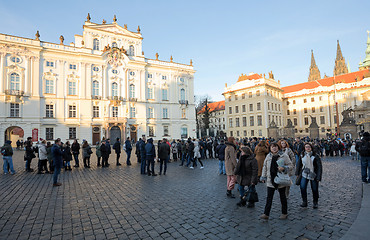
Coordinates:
column 2, row 79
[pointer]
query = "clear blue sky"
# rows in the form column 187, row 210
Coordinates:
column 224, row 38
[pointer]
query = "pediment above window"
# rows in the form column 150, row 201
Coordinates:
column 49, row 75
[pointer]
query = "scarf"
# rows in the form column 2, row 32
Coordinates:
column 274, row 169
column 307, row 162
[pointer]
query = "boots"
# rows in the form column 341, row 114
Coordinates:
column 315, row 205
column 250, row 205
column 242, row 202
column 230, row 194
column 304, row 204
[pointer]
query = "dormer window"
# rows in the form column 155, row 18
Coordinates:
column 96, row 44
column 131, row 51
column 114, row 44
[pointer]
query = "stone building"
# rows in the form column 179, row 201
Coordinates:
column 101, row 85
column 217, row 123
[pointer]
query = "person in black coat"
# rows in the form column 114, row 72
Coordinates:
column 309, row 169
column 221, row 157
column 104, row 153
column 163, row 153
column 128, row 149
column 67, row 155
column 117, row 149
column 137, row 151
column 143, row 155
column 58, row 161
column 76, row 151
column 150, row 156
column 29, row 154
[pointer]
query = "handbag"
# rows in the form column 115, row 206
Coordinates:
column 251, row 195
column 283, row 179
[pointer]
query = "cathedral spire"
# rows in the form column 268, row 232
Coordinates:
column 366, row 63
column 314, row 70
column 340, row 64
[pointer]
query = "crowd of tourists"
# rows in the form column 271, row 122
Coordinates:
column 246, row 162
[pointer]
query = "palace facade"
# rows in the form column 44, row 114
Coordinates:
column 99, row 86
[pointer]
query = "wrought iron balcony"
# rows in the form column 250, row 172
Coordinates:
column 14, row 92
column 96, row 97
column 117, row 98
column 133, row 99
column 184, row 102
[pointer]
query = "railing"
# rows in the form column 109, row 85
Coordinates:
column 14, row 92
column 96, row 97
column 133, row 99
column 184, row 102
column 117, row 98
column 115, row 119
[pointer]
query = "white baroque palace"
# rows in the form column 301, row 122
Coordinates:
column 101, row 85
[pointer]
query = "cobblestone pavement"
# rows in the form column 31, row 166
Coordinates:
column 119, row 203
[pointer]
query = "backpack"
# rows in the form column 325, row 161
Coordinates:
column 5, row 151
column 364, row 148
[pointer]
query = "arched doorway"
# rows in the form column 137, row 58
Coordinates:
column 114, row 133
column 14, row 133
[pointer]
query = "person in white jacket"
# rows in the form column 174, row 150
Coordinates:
column 353, row 151
column 197, row 155
column 43, row 158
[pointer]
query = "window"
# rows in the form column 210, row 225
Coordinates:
column 320, row 98
column 151, row 131
column 306, row 121
column 132, row 112
column 245, row 133
column 243, row 108
column 115, row 71
column 294, row 111
column 49, row 64
column 95, row 69
column 114, row 111
column 305, row 100
column 184, row 132
column 95, row 90
column 49, row 111
column 72, row 111
column 114, row 89
column 96, row 44
column 335, row 119
column 229, row 98
column 268, row 105
column 293, row 101
column 251, row 107
column 72, row 133
column 243, row 96
column 322, row 119
column 236, row 109
column 322, row 129
column 279, row 106
column 344, row 106
column 49, row 86
column 295, row 121
column 250, row 94
column 258, row 106
column 165, row 130
column 14, row 109
column 182, row 80
column 14, row 81
column 236, row 97
column 132, row 91
column 150, row 113
column 251, row 121
column 259, row 120
column 15, row 59
column 49, row 133
column 306, row 130
column 237, row 133
column 95, row 111
column 287, row 103
column 183, row 113
column 237, row 124
column 344, row 95
column 165, row 113
column 252, row 132
column 182, row 94
column 164, row 94
column 150, row 93
column 275, row 107
column 72, row 88
column 230, row 110
column 305, row 110
column 321, row 109
column 114, row 45
column 164, row 77
column 279, row 120
column 260, row 132
column 131, row 50
column 288, row 112
column 312, row 99
column 150, row 75
column 335, row 108
column 244, row 121
column 72, row 66
column 230, row 122
column 258, row 93
column 231, row 133
column 132, row 73
column 313, row 109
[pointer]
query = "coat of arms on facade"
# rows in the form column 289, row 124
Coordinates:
column 114, row 56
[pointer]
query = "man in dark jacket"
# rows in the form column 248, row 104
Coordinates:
column 137, row 151
column 190, row 152
column 117, row 149
column 363, row 148
column 221, row 157
column 58, row 161
column 142, row 155
column 163, row 153
column 298, row 148
column 7, row 152
column 104, row 153
column 150, row 155
column 29, row 154
column 128, row 149
column 76, row 151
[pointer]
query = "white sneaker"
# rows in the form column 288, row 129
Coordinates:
column 201, row 167
column 191, row 168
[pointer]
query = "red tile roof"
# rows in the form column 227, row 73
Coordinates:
column 326, row 82
column 215, row 106
column 249, row 77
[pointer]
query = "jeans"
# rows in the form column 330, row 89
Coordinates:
column 56, row 173
column 150, row 160
column 190, row 159
column 242, row 189
column 183, row 156
column 270, row 197
column 365, row 168
column 76, row 159
column 161, row 161
column 143, row 165
column 118, row 155
column 128, row 157
column 221, row 167
column 8, row 160
column 42, row 165
column 296, row 159
column 314, row 187
column 28, row 164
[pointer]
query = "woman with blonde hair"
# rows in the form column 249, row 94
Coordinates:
column 284, row 148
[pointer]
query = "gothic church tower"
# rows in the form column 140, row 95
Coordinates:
column 340, row 64
column 314, row 70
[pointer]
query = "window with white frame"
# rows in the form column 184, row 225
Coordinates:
column 182, row 80
column 95, row 88
column 15, row 83
column 72, row 111
column 183, row 113
column 150, row 113
column 72, row 133
column 230, row 122
column 96, row 69
column 150, row 93
column 14, row 109
column 132, row 112
column 49, row 64
column 15, row 59
column 260, row 132
column 96, row 111
column 259, row 120
column 164, row 77
column 165, row 131
column 150, row 75
column 164, row 94
column 49, row 113
column 72, row 66
column 182, row 94
column 151, row 131
column 96, row 44
column 72, row 88
column 114, row 45
column 184, row 132
column 165, row 113
column 132, row 73
column 258, row 106
column 49, row 86
column 251, row 121
column 114, row 111
column 132, row 50
column 132, row 91
column 49, row 133
column 115, row 71
column 114, row 89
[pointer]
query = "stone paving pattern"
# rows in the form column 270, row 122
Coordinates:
column 119, row 203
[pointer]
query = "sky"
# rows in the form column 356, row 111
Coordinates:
column 223, row 38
